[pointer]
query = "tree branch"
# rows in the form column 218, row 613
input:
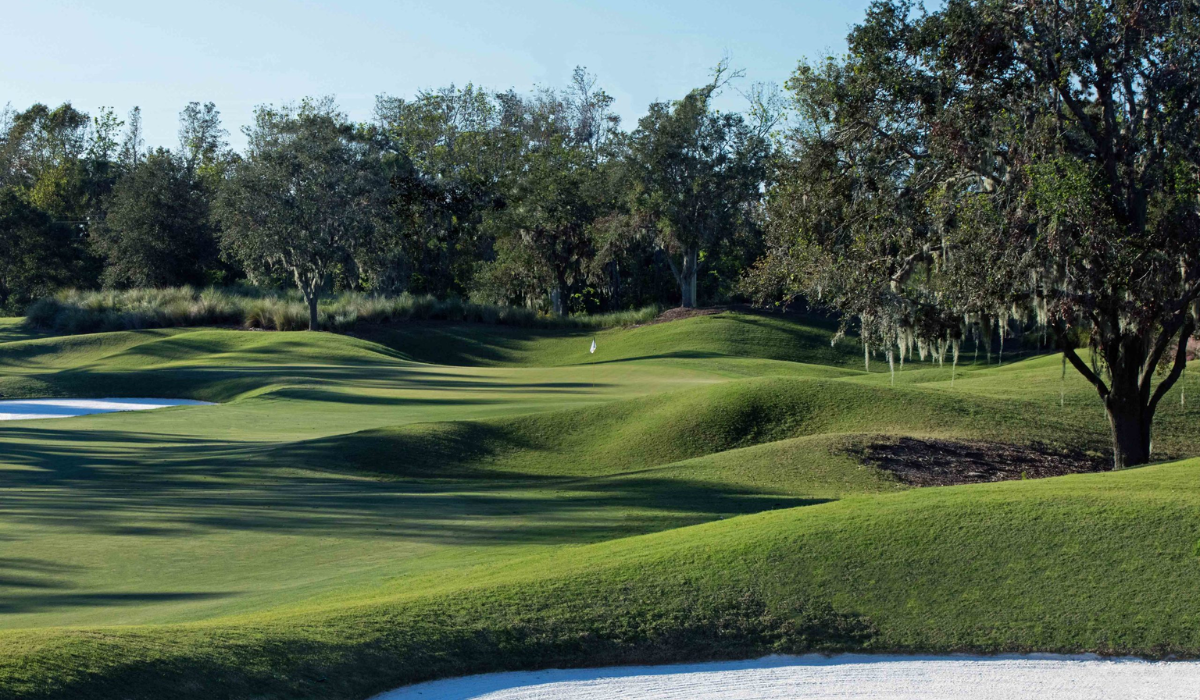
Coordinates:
column 907, row 264
column 1160, row 346
column 674, row 267
column 880, row 132
column 1177, row 368
column 1081, row 367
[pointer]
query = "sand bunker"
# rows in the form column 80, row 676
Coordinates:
column 845, row 676
column 31, row 409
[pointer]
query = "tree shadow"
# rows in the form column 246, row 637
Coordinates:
column 119, row 483
column 461, row 344
column 35, row 603
column 224, row 383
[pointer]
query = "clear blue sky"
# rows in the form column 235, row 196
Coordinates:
column 162, row 54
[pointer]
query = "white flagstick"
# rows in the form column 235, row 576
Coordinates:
column 593, row 352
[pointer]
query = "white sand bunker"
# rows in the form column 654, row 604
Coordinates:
column 846, row 676
column 30, row 409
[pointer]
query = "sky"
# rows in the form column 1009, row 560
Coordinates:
column 160, row 55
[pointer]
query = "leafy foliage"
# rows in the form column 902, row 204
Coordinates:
column 35, row 252
column 157, row 231
column 554, row 195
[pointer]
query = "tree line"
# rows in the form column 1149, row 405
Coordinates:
column 538, row 200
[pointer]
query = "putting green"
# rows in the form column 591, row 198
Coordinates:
column 434, row 499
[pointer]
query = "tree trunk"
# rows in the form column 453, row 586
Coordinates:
column 616, row 286
column 558, row 301
column 310, row 286
column 687, row 278
column 1130, row 421
column 1132, row 398
column 311, row 298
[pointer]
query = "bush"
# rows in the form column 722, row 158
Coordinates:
column 74, row 311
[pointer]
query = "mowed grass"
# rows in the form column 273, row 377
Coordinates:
column 429, row 500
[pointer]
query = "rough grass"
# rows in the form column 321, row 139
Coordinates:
column 75, row 311
column 350, row 519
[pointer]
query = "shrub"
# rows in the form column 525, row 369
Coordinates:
column 74, row 311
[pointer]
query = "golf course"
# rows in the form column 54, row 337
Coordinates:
column 412, row 501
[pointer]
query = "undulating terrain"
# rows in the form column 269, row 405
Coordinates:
column 423, row 500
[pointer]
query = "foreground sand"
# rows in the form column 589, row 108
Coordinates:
column 36, row 409
column 843, row 676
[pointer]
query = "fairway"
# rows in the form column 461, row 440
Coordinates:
column 423, row 500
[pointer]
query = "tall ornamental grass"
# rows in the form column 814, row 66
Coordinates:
column 75, row 311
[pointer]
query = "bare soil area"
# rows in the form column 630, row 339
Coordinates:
column 943, row 462
column 679, row 313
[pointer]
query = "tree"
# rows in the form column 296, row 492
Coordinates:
column 304, row 199
column 57, row 161
column 133, row 146
column 993, row 164
column 447, row 151
column 202, row 138
column 157, row 231
column 35, row 252
column 44, row 152
column 699, row 174
column 555, row 193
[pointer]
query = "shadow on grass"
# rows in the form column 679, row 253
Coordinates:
column 464, row 344
column 442, row 488
column 40, row 602
column 29, row 585
column 221, row 384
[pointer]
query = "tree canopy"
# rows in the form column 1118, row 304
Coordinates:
column 539, row 199
column 555, row 192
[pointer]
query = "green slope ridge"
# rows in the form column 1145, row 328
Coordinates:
column 728, row 334
column 640, row 433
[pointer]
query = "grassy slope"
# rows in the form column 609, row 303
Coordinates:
column 706, row 337
column 928, row 570
column 250, row 548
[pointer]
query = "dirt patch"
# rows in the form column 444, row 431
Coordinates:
column 944, row 462
column 679, row 313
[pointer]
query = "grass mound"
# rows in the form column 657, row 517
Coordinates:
column 711, row 338
column 641, row 433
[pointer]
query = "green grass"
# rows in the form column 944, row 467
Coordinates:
column 426, row 500
column 717, row 337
